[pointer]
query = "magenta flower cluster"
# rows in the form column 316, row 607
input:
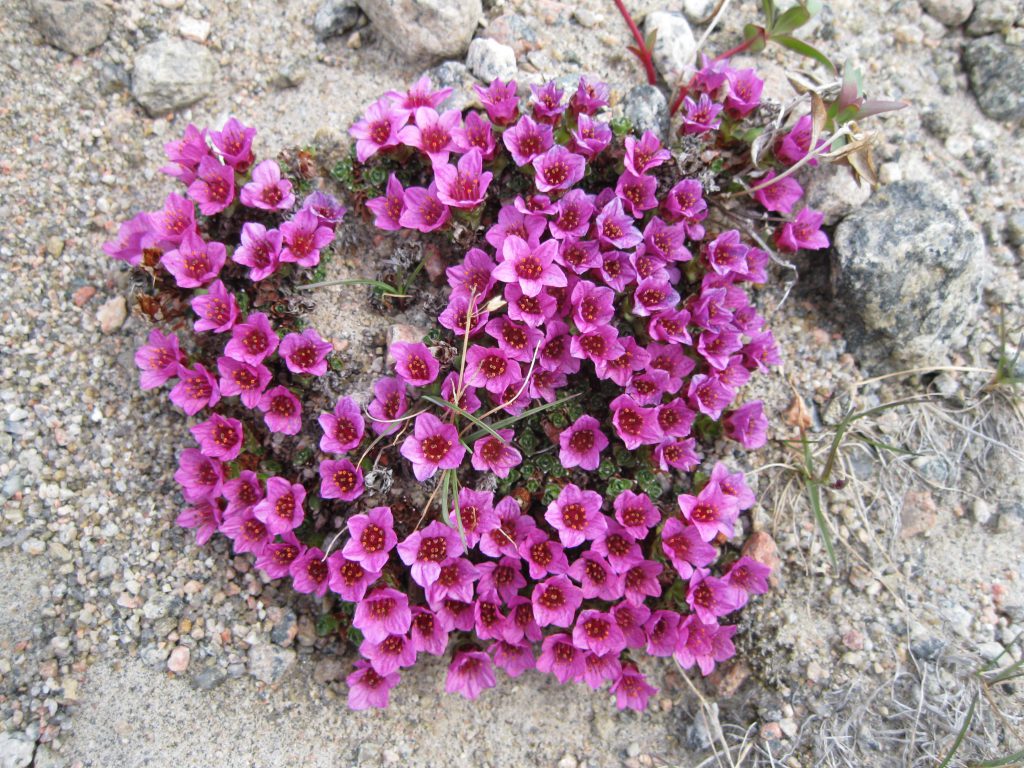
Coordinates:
column 604, row 271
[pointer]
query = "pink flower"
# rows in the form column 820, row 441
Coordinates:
column 174, row 221
column 666, row 241
column 709, row 395
column 641, row 581
column 185, row 154
column 491, row 454
column 476, row 133
column 514, row 658
column 598, row 670
column 653, row 295
column 517, row 341
column 159, row 359
column 677, row 454
column 576, row 515
column 368, row 689
column 195, row 390
column 632, row 690
column 686, row 201
column 421, row 94
column 371, row 538
column 796, row 144
column 389, row 403
column 454, row 615
column 747, row 425
column 219, row 438
column 748, row 577
column 260, row 251
column 589, row 96
column 636, row 513
column 732, row 485
column 309, row 572
column 432, row 133
column 432, row 446
column 744, row 92
column 520, row 625
column 581, row 444
column 703, row 644
column 701, row 115
column 247, row 381
column 379, row 129
column 619, row 546
column 427, row 635
column 557, row 169
column 500, row 101
column 685, row 547
column 600, row 345
column 463, row 186
column 282, row 410
column 133, row 238
column 340, row 480
column 644, row 154
column 277, row 558
column 598, row 632
column 528, row 226
column 803, row 232
column 547, row 102
column 281, row 509
column 425, row 550
column 575, row 210
column 592, row 305
column 596, row 577
column 199, row 476
column 555, row 601
column 389, row 208
column 214, row 186
column 675, row 418
column 469, row 674
column 527, row 140
column 487, row 617
column 349, row 579
column 217, row 309
column 543, row 555
column 253, row 341
column 662, row 633
column 779, row 196
column 247, row 534
column 710, row 597
column 343, row 427
column 194, row 262
column 303, row 238
column 268, row 190
column 502, row 533
column 234, row 142
column 390, row 654
column 424, row 210
column 205, row 516
column 414, row 363
column 634, row 425
column 615, row 229
column 531, row 268
column 473, row 275
column 561, row 658
column 454, row 582
column 631, row 619
column 637, row 193
column 305, row 352
column 383, row 612
column 327, row 209
column 491, row 369
column 590, row 138
column 474, row 508
column 242, row 493
column 711, row 511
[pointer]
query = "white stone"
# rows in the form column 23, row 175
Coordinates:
column 194, row 29
column 674, row 46
column 112, row 314
column 489, row 60
column 425, row 31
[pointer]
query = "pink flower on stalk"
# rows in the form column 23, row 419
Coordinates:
column 491, row 454
column 205, row 516
column 598, row 670
column 340, row 479
column 424, row 210
column 487, row 617
column 504, row 577
column 677, row 454
column 349, row 579
column 747, row 425
column 219, row 438
column 175, row 220
column 531, row 268
column 456, row 315
column 710, row 597
column 645, row 153
column 194, row 262
column 761, row 352
column 795, row 145
column 748, row 577
column 596, row 577
column 744, row 92
column 371, row 538
column 242, row 493
column 420, row 94
column 282, row 410
column 414, row 363
column 649, row 387
column 592, row 305
column 576, row 515
column 491, row 369
column 465, row 185
column 718, row 348
column 520, row 625
column 542, row 555
column 247, row 381
column 383, row 612
column 615, row 229
column 134, row 237
column 454, row 615
column 527, row 140
column 517, row 341
column 389, row 208
column 427, row 635
column 368, row 689
column 425, row 550
column 389, row 403
column 343, row 427
column 547, row 102
column 305, row 352
column 502, row 533
column 558, row 168
column 685, row 547
column 674, row 418
column 704, row 644
column 631, row 619
column 474, row 509
column 303, row 238
column 469, row 674
column 637, row 193
column 575, row 210
column 500, row 101
column 709, row 395
column 260, row 250
column 234, row 142
column 432, row 446
column 803, row 232
column 514, row 658
column 641, row 581
column 199, row 476
column 473, row 275
column 590, row 138
column 778, row 196
column 277, row 558
column 653, row 295
column 195, row 390
column 432, row 133
column 185, row 154
column 268, row 190
column 468, row 401
column 214, row 186
column 726, row 254
column 253, row 341
column 561, row 658
column 581, row 444
column 309, row 572
column 732, row 485
column 454, row 581
column 390, row 654
column 476, row 133
column 686, row 201
column 597, row 632
column 634, row 425
column 667, row 241
column 622, row 368
column 711, row 511
column 326, row 208
column 662, row 633
column 600, row 345
column 281, row 509
column 158, row 360
column 379, row 129
column 510, row 222
column 247, row 534
column 636, row 513
column 632, row 690
column 701, row 115
column 619, row 547
column 589, row 97
column 555, row 601
column 217, row 309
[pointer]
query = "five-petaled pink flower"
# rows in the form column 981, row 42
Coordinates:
column 432, row 446
column 268, row 190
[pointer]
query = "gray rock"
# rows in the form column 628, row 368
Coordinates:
column 454, row 75
column 833, row 190
column 489, row 60
column 291, row 74
column 909, row 266
column 1015, row 229
column 425, row 31
column 674, row 47
column 209, row 678
column 336, row 17
column 993, row 16
column 952, row 13
column 284, row 631
column 171, row 74
column 698, row 11
column 75, row 26
column 112, row 78
column 512, row 30
column 646, row 108
column 996, row 74
column 16, row 751
column 268, row 663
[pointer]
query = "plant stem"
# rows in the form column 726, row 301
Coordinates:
column 641, row 51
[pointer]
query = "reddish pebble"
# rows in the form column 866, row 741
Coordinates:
column 82, row 295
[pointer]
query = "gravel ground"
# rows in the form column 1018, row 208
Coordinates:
column 865, row 663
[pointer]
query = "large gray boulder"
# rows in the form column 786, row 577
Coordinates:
column 996, row 73
column 909, row 267
column 75, row 26
column 675, row 48
column 171, row 74
column 425, row 31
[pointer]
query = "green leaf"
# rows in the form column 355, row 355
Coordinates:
column 768, row 6
column 963, row 732
column 651, row 39
column 792, row 19
column 326, row 624
column 814, row 494
column 804, row 49
column 1016, row 759
column 458, row 511
column 752, row 31
column 464, row 414
column 877, row 107
column 511, row 420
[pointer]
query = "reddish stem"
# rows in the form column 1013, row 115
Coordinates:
column 641, row 51
column 685, row 89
